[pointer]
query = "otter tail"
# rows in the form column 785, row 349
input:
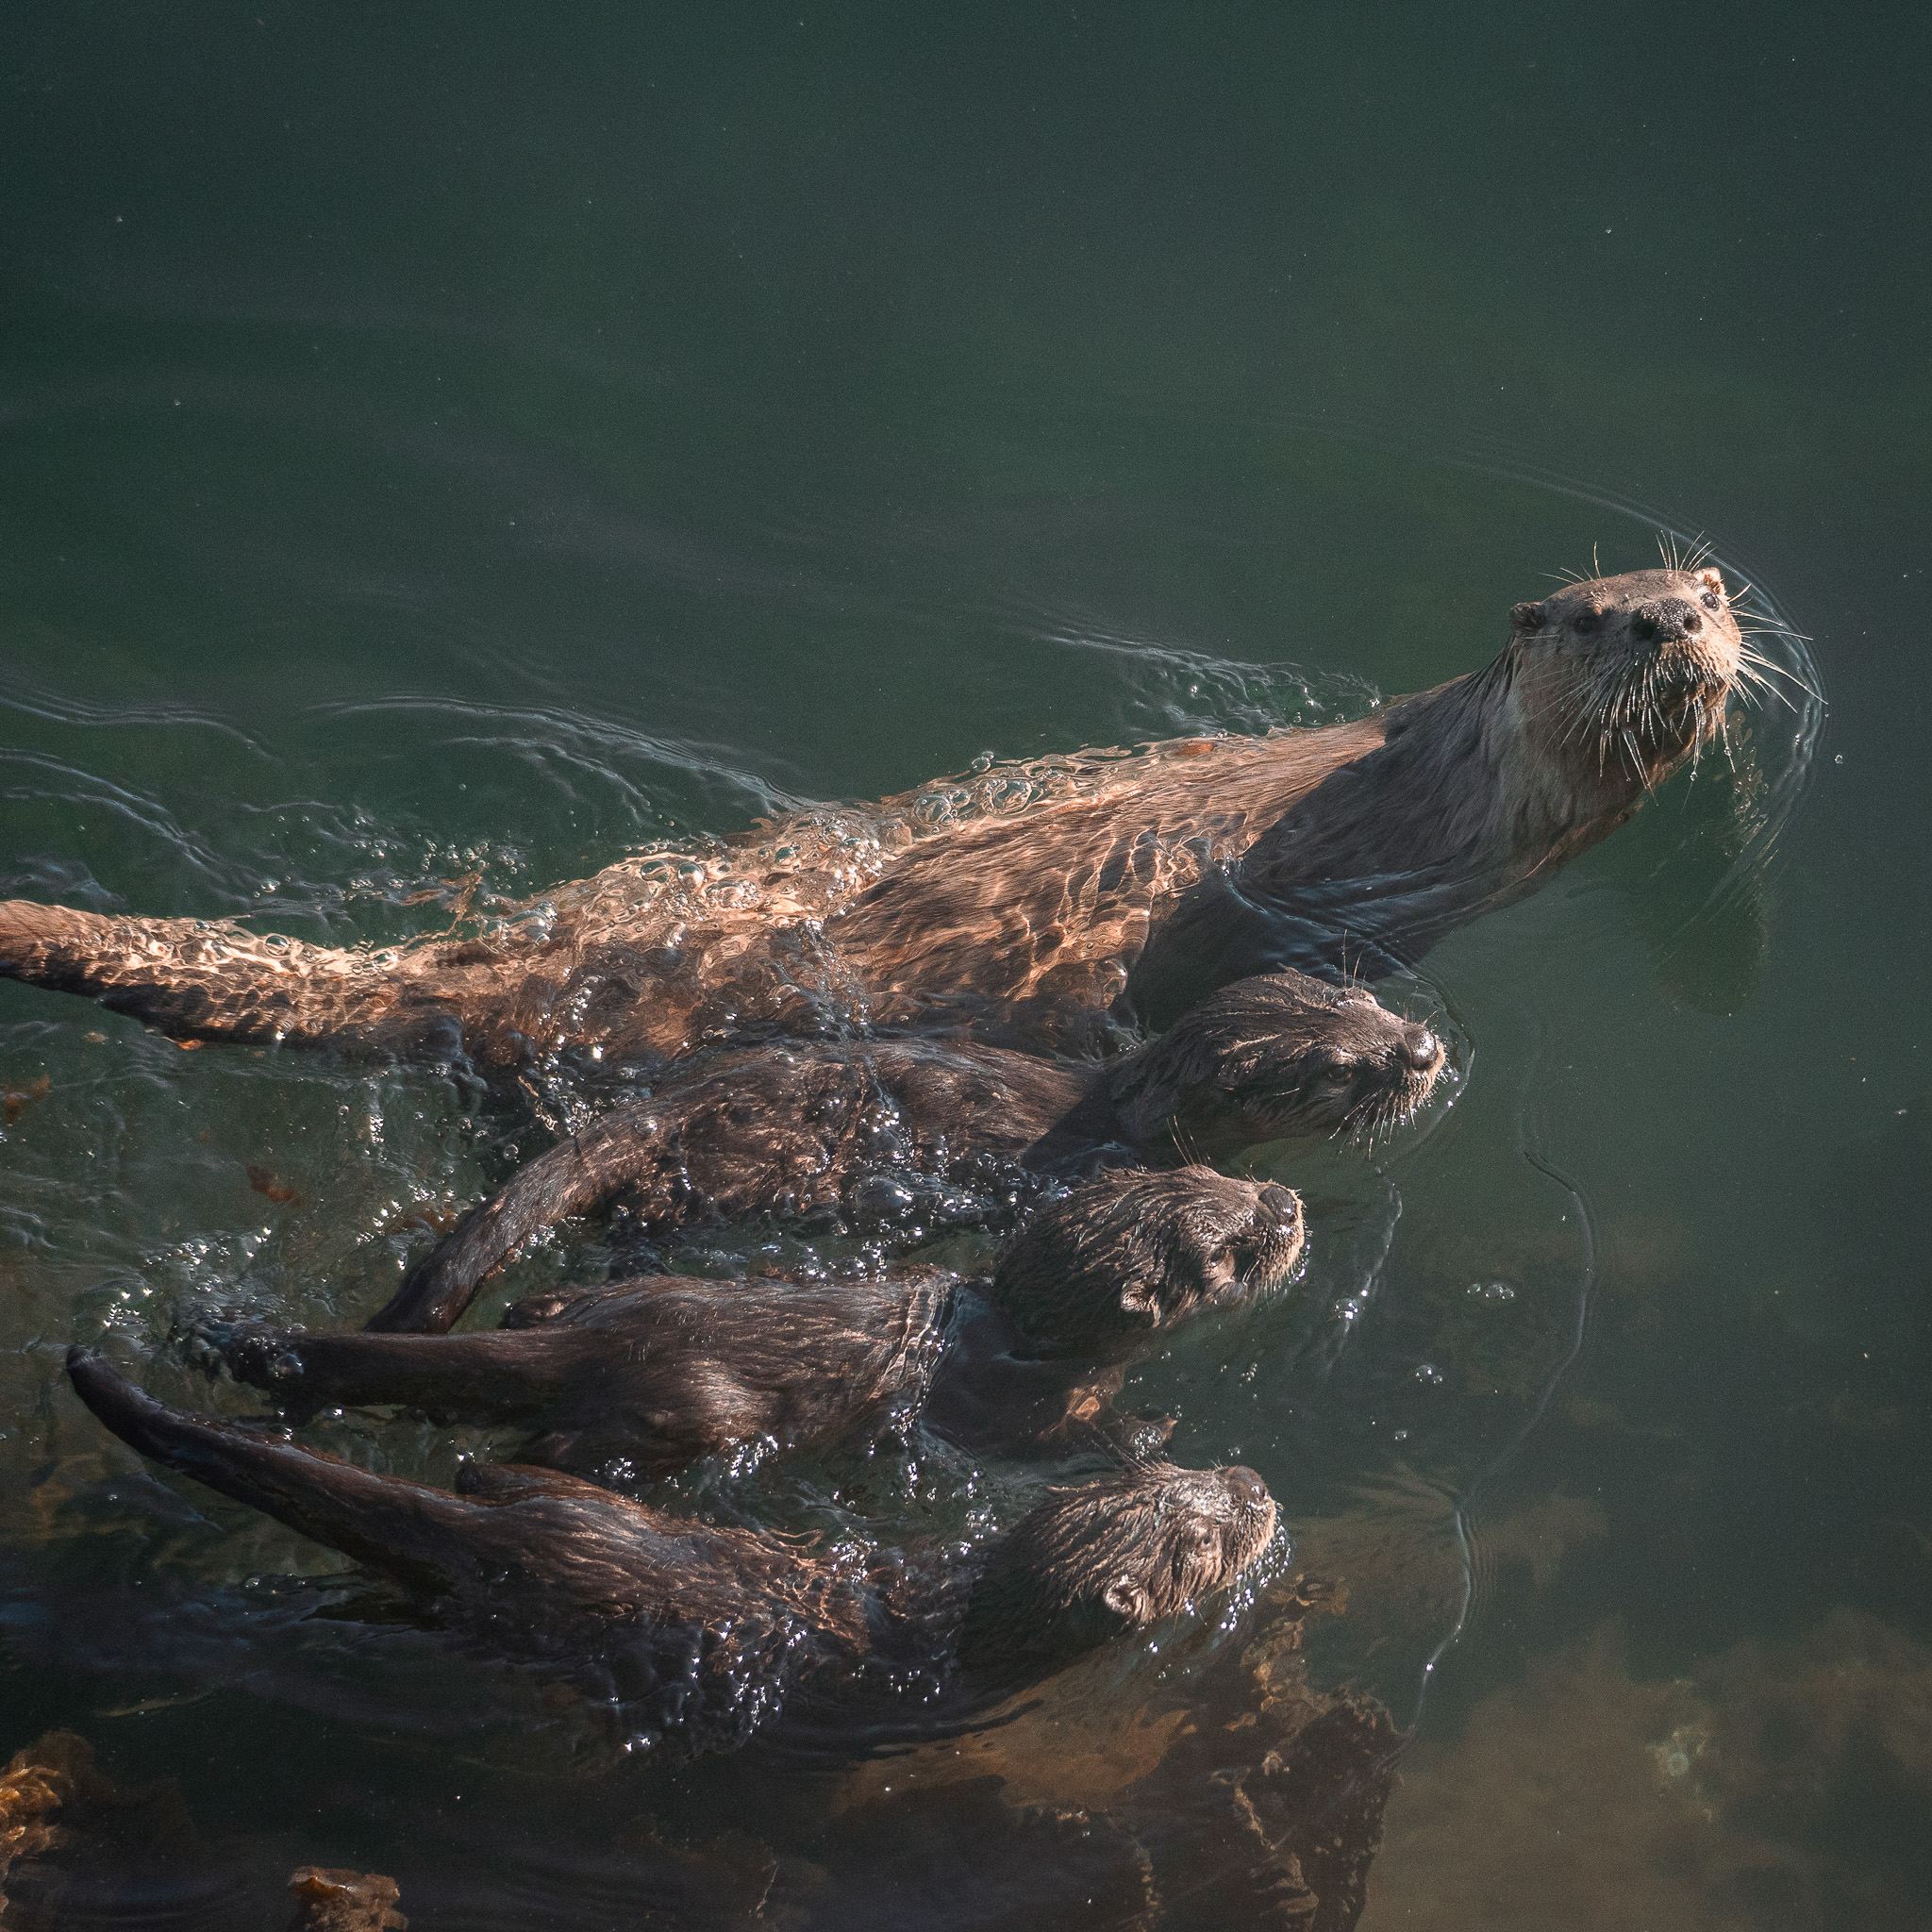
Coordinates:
column 506, row 1377
column 426, row 1538
column 200, row 981
column 573, row 1177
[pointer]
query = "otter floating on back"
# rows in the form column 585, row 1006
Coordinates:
column 1168, row 874
column 792, row 1132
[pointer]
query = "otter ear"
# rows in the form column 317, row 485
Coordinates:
column 1125, row 1598
column 1138, row 1300
column 1526, row 617
column 1712, row 580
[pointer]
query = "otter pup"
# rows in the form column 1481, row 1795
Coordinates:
column 706, row 1625
column 789, row 1132
column 1131, row 886
column 637, row 1378
column 1202, row 1528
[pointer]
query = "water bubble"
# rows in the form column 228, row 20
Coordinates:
column 1492, row 1291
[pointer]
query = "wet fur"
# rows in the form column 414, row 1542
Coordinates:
column 1161, row 877
column 789, row 1132
column 1094, row 1563
column 637, row 1378
column 1132, row 1253
column 535, row 1562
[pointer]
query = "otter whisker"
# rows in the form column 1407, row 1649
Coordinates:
column 1750, row 682
column 1633, row 755
column 1759, row 661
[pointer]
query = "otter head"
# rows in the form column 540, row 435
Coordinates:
column 1117, row 1554
column 1623, row 675
column 1274, row 1056
column 1135, row 1251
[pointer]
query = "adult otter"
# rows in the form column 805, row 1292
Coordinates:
column 708, row 1624
column 635, row 1379
column 790, row 1132
column 1146, row 883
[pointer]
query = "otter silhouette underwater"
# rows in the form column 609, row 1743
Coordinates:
column 1150, row 882
column 792, row 1132
column 703, row 1628
column 635, row 1379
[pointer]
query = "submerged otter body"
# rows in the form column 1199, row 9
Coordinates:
column 635, row 1379
column 706, row 1626
column 1159, row 879
column 792, row 1132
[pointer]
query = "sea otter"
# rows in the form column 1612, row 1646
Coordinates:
column 701, row 1626
column 796, row 1132
column 1134, row 886
column 635, row 1379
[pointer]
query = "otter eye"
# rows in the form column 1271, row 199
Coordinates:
column 1709, row 600
column 1587, row 621
column 1335, row 1076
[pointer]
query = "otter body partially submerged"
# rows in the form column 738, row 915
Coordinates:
column 707, row 1627
column 635, row 1379
column 1164, row 876
column 792, row 1132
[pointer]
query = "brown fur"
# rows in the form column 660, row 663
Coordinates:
column 534, row 1563
column 1130, row 1253
column 1188, row 865
column 635, row 1379
column 1117, row 1554
column 789, row 1132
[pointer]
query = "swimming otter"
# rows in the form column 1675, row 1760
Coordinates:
column 706, row 1625
column 635, row 1379
column 1138, row 885
column 789, row 1132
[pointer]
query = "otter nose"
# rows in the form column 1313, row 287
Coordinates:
column 1664, row 620
column 1422, row 1049
column 1245, row 1485
column 1279, row 1204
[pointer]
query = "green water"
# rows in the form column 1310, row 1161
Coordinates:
column 481, row 440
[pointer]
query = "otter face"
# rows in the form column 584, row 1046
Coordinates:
column 1117, row 1553
column 1115, row 1556
column 1180, row 1536
column 1135, row 1251
column 1373, row 1073
column 1628, row 673
column 1280, row 1054
column 1208, row 1529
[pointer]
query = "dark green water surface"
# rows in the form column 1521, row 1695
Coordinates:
column 469, row 443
